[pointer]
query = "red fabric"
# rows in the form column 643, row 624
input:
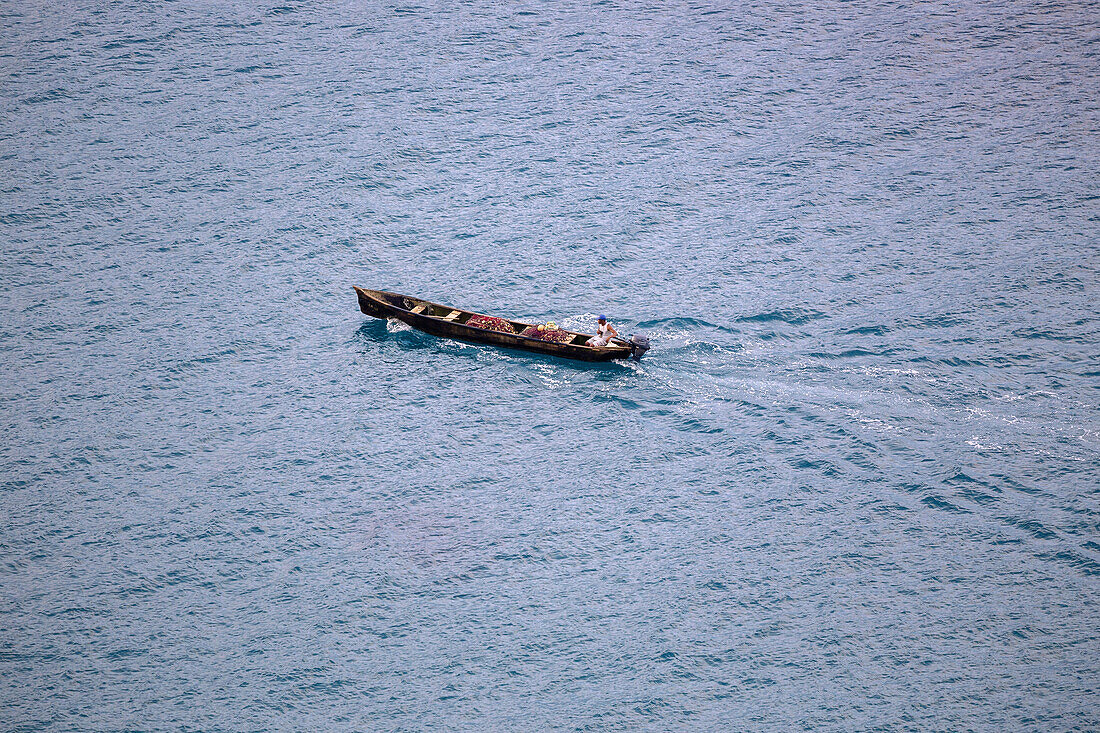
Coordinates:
column 491, row 323
column 557, row 336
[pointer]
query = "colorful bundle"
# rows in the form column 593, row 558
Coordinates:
column 491, row 323
column 555, row 335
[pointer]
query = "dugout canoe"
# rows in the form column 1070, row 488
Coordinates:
column 447, row 322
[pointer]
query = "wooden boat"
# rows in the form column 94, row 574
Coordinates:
column 447, row 322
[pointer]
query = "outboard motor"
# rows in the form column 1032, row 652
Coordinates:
column 639, row 344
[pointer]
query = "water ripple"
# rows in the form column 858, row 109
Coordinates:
column 853, row 485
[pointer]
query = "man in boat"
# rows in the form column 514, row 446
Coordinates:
column 604, row 333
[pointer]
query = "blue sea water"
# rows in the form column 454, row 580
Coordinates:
column 855, row 485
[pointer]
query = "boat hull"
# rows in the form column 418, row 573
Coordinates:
column 383, row 304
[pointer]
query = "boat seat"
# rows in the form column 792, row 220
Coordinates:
column 419, row 308
column 452, row 315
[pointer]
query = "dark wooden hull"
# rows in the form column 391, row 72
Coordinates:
column 440, row 320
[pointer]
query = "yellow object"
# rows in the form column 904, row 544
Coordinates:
column 551, row 326
column 542, row 327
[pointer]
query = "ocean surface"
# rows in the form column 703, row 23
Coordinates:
column 855, row 485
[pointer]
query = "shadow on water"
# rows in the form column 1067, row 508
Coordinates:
column 376, row 330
